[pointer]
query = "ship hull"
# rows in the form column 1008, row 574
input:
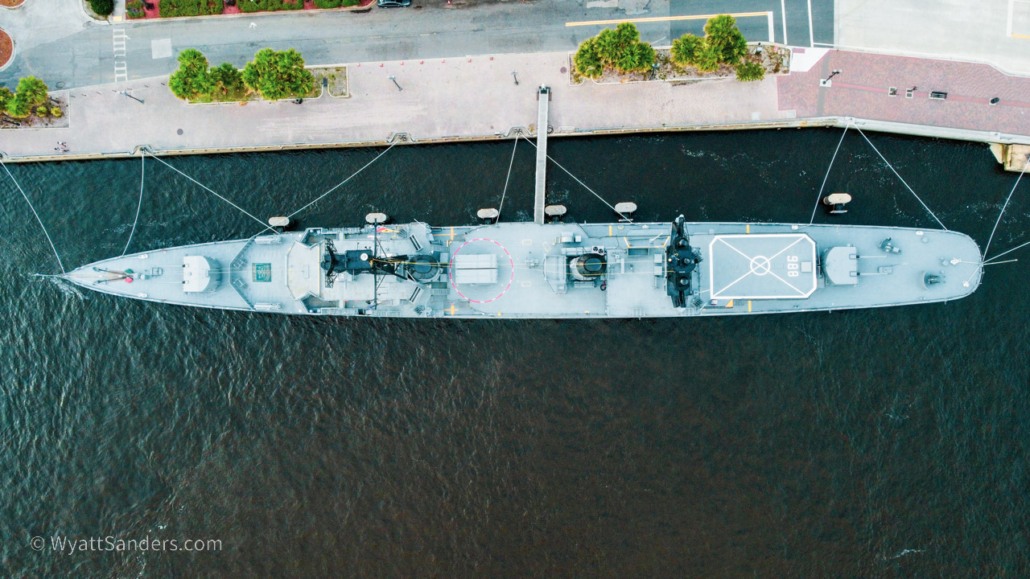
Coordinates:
column 532, row 271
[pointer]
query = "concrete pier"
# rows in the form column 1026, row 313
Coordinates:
column 540, row 199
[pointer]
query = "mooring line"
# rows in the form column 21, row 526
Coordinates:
column 901, row 179
column 40, row 221
column 834, row 158
column 344, row 182
column 208, row 189
column 557, row 164
column 506, row 179
column 1005, row 206
column 142, row 174
column 1006, row 252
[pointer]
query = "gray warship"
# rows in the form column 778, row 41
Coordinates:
column 553, row 270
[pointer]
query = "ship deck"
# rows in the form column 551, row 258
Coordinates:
column 527, row 270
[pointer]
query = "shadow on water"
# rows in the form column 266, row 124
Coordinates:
column 879, row 443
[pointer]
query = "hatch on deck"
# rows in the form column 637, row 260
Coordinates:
column 773, row 266
column 475, row 268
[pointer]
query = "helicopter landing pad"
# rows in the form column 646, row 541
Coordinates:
column 773, row 266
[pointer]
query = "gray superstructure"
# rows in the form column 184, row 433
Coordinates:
column 553, row 270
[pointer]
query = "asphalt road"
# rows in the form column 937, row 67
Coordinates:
column 90, row 55
column 757, row 28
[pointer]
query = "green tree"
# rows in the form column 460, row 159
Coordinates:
column 278, row 74
column 722, row 33
column 750, row 71
column 707, row 57
column 33, row 90
column 18, row 107
column 587, row 61
column 685, row 48
column 619, row 48
column 5, row 97
column 192, row 79
column 613, row 45
column 227, row 77
column 638, row 57
column 102, row 7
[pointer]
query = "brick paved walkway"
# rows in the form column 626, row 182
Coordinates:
column 861, row 90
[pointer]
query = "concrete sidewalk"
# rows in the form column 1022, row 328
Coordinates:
column 476, row 99
column 441, row 100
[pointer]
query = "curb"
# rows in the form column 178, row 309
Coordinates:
column 14, row 49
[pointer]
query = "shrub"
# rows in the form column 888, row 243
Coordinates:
column 684, row 49
column 135, row 9
column 18, row 107
column 192, row 79
column 42, row 111
column 335, row 3
column 33, row 90
column 5, row 97
column 169, row 8
column 102, row 7
column 750, row 71
column 706, row 59
column 638, row 57
column 723, row 43
column 586, row 61
column 227, row 77
column 619, row 48
column 269, row 5
column 722, row 33
column 55, row 111
column 278, row 74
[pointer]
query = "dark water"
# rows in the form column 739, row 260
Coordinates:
column 883, row 443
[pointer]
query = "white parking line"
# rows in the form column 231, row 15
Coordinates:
column 811, row 33
column 1008, row 25
column 1011, row 19
column 772, row 28
column 783, row 19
